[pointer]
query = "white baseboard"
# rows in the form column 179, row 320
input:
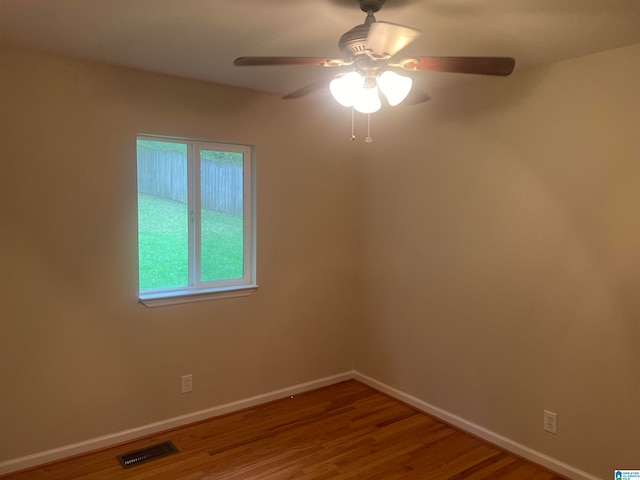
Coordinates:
column 478, row 431
column 134, row 433
column 143, row 431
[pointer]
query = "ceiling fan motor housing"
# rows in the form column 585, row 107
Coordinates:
column 353, row 42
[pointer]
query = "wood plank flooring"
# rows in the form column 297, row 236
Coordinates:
column 344, row 431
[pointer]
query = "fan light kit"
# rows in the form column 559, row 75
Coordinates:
column 367, row 68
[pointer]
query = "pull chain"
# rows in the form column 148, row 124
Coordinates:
column 353, row 128
column 369, row 138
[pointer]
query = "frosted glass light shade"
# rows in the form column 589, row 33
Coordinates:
column 349, row 91
column 367, row 100
column 395, row 87
column 345, row 88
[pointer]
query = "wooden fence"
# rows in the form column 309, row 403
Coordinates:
column 164, row 174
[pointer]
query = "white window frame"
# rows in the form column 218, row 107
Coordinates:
column 198, row 291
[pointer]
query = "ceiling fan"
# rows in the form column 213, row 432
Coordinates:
column 368, row 65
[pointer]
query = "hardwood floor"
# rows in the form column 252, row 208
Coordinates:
column 344, row 431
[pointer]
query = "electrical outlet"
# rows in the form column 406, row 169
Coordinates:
column 550, row 422
column 187, row 383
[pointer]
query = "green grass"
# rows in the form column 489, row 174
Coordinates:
column 163, row 238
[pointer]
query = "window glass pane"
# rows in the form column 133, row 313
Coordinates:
column 222, row 236
column 163, row 215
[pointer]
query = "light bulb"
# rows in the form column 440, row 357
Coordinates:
column 367, row 100
column 345, row 88
column 395, row 87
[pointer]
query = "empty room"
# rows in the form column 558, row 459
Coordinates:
column 320, row 239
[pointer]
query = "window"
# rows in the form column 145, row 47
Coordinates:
column 195, row 220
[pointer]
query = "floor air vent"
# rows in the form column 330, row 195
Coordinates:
column 148, row 454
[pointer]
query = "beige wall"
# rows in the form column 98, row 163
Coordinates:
column 79, row 357
column 499, row 256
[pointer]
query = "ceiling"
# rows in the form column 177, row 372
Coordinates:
column 199, row 39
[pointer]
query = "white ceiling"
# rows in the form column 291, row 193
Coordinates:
column 199, row 39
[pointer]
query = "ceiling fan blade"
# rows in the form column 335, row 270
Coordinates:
column 502, row 66
column 310, row 61
column 386, row 39
column 306, row 90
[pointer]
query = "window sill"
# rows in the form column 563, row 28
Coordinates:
column 190, row 296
